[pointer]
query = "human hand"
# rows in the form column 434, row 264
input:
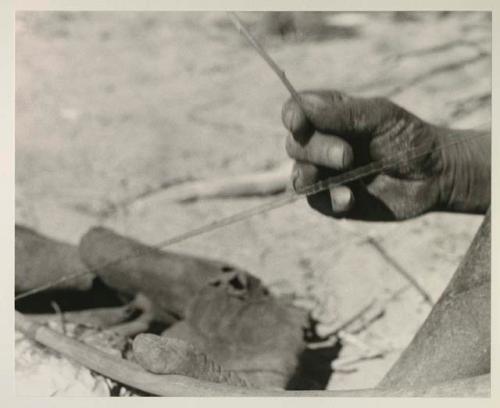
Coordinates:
column 338, row 132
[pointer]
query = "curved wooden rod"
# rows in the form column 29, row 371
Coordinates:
column 133, row 375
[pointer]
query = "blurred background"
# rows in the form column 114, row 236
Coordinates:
column 113, row 106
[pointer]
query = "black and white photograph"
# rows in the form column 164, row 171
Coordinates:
column 253, row 203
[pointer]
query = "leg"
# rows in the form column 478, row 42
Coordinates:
column 454, row 341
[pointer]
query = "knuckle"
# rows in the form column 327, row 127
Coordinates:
column 336, row 97
column 381, row 100
column 385, row 104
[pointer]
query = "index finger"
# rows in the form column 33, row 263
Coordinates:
column 296, row 121
column 333, row 112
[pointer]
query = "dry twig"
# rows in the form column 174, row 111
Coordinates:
column 342, row 363
column 262, row 52
column 60, row 316
column 329, row 331
column 136, row 326
column 462, row 42
column 397, row 89
column 97, row 318
column 261, row 183
column 400, row 269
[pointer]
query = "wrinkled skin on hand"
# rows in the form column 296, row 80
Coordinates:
column 337, row 132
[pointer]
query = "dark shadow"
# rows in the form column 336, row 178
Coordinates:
column 314, row 369
column 68, row 300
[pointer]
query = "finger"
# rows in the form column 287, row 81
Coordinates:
column 322, row 150
column 342, row 199
column 335, row 203
column 361, row 206
column 296, row 121
column 334, row 112
column 304, row 175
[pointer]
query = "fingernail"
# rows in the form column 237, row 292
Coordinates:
column 290, row 117
column 296, row 176
column 341, row 198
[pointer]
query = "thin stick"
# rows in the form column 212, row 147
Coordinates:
column 399, row 268
column 263, row 53
column 349, row 338
column 118, row 369
column 358, row 173
column 287, row 198
column 98, row 318
column 349, row 361
column 60, row 314
column 346, row 323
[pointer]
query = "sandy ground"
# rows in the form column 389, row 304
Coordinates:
column 111, row 104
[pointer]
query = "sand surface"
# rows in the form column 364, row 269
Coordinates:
column 109, row 105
